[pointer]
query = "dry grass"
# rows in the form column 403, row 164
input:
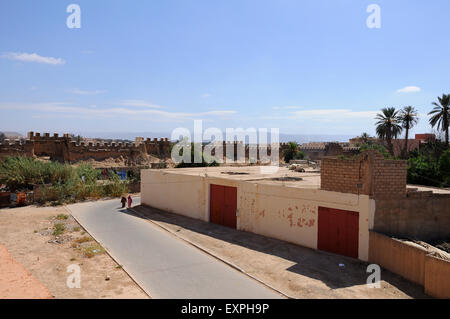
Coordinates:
column 93, row 250
column 83, row 239
column 59, row 229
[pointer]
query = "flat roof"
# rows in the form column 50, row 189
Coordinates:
column 271, row 176
column 259, row 174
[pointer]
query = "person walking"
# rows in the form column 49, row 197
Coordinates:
column 123, row 200
column 130, row 200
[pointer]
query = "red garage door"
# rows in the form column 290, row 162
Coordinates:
column 223, row 205
column 338, row 231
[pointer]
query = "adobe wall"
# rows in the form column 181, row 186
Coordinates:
column 397, row 256
column 437, row 277
column 252, row 153
column 62, row 148
column 16, row 148
column 426, row 217
column 413, row 262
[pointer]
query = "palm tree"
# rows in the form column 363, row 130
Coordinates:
column 388, row 126
column 365, row 138
column 290, row 151
column 441, row 115
column 409, row 117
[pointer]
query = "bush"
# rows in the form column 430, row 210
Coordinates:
column 430, row 165
column 373, row 146
column 422, row 171
column 206, row 160
column 444, row 168
column 66, row 183
column 293, row 153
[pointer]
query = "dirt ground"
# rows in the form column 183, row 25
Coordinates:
column 297, row 272
column 16, row 282
column 28, row 234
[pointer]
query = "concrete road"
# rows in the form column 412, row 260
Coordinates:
column 163, row 265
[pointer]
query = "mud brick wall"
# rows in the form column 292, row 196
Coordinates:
column 425, row 217
column 345, row 175
column 389, row 178
column 368, row 174
column 62, row 148
column 16, row 148
column 412, row 262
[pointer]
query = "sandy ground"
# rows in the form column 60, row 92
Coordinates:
column 296, row 271
column 27, row 233
column 16, row 282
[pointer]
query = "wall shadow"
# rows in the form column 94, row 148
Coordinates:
column 312, row 263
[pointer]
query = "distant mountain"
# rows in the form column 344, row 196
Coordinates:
column 121, row 135
column 299, row 138
column 306, row 138
column 12, row 135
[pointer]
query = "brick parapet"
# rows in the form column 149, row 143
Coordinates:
column 368, row 174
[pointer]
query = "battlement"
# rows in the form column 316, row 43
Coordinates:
column 47, row 136
column 65, row 149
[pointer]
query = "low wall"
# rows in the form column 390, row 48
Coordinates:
column 403, row 259
column 181, row 194
column 424, row 218
column 437, row 277
column 412, row 262
column 5, row 200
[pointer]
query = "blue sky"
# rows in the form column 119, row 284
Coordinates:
column 306, row 67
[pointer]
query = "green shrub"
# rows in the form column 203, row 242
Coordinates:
column 293, row 153
column 444, row 168
column 63, row 182
column 422, row 171
column 206, row 159
column 59, row 229
column 373, row 146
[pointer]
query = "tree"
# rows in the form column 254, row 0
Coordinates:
column 365, row 138
column 380, row 148
column 409, row 117
column 388, row 126
column 2, row 137
column 441, row 115
column 290, row 152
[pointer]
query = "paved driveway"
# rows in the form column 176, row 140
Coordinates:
column 163, row 265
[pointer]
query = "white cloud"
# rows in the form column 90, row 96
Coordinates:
column 64, row 108
column 205, row 95
column 324, row 115
column 409, row 89
column 286, row 107
column 139, row 103
column 84, row 92
column 32, row 57
column 334, row 113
